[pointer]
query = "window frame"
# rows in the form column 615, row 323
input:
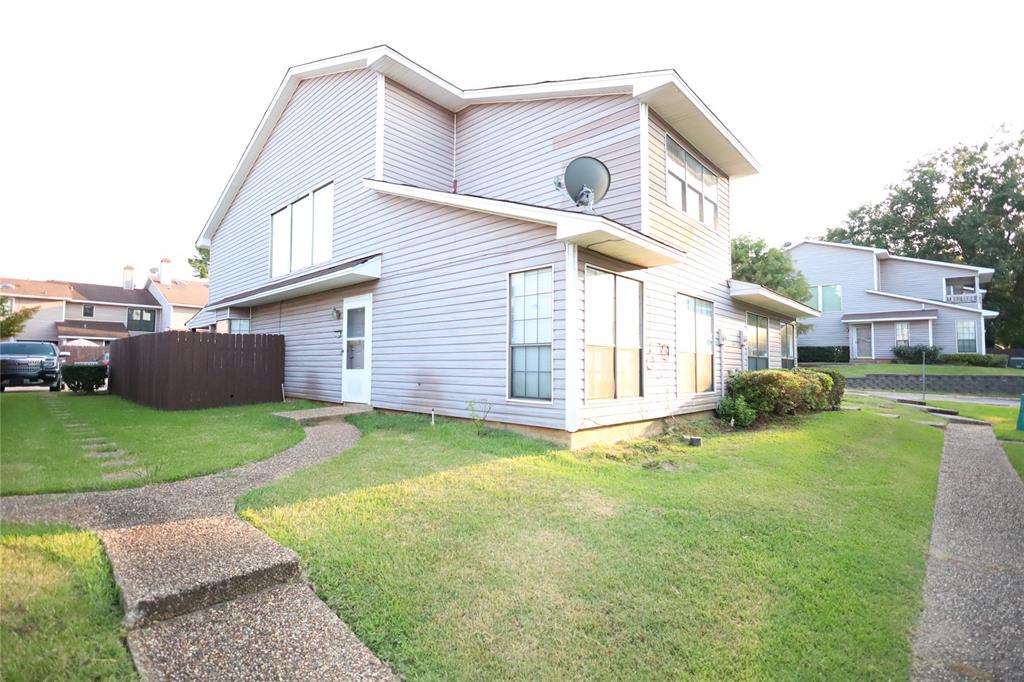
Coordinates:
column 289, row 207
column 705, row 167
column 508, row 338
column 784, row 348
column 819, row 297
column 615, row 347
column 88, row 310
column 957, row 325
column 896, row 334
column 248, row 322
column 768, row 340
column 680, row 296
column 142, row 312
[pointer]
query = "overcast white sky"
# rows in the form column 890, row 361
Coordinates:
column 121, row 122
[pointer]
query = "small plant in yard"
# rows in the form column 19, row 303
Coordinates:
column 912, row 354
column 83, row 377
column 478, row 412
column 736, row 412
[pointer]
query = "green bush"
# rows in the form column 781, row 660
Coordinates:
column 974, row 360
column 823, row 353
column 818, row 389
column 83, row 377
column 736, row 411
column 773, row 392
column 835, row 394
column 911, row 355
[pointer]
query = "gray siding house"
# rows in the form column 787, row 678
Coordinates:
column 407, row 239
column 872, row 301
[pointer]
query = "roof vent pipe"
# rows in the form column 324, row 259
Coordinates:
column 128, row 278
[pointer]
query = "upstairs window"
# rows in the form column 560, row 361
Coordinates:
column 787, row 340
column 301, row 233
column 141, row 320
column 828, row 298
column 692, row 188
column 966, row 336
column 613, row 335
column 902, row 333
column 757, row 342
column 88, row 310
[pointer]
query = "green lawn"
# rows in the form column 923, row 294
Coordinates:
column 41, row 455
column 795, row 552
column 859, row 370
column 59, row 612
column 1004, row 424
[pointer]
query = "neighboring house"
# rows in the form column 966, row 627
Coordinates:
column 871, row 300
column 179, row 299
column 83, row 315
column 407, row 239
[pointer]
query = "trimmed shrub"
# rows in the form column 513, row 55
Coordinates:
column 818, row 390
column 974, row 360
column 776, row 391
column 911, row 355
column 83, row 377
column 835, row 394
column 736, row 411
column 823, row 353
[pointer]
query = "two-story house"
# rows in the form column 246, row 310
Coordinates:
column 872, row 301
column 407, row 238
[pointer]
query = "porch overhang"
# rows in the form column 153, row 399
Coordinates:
column 586, row 230
column 333, row 277
column 762, row 297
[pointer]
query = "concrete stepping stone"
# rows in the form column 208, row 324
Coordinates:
column 281, row 633
column 940, row 410
column 888, row 415
column 114, row 463
column 169, row 569
column 125, row 475
column 95, row 440
column 319, row 415
column 105, row 454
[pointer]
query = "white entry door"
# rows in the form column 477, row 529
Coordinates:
column 865, row 347
column 355, row 376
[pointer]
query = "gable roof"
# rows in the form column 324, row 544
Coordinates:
column 181, row 292
column 76, row 291
column 664, row 91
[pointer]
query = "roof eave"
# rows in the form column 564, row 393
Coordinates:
column 772, row 301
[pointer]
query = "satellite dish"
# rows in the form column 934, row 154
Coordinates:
column 587, row 180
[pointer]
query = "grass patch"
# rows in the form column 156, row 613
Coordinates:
column 793, row 552
column 1015, row 453
column 59, row 615
column 40, row 455
column 1004, row 424
column 402, row 447
column 860, row 370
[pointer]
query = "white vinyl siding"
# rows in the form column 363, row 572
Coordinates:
column 531, row 305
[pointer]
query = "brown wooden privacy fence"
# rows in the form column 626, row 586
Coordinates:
column 185, row 370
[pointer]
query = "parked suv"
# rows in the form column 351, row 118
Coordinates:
column 26, row 363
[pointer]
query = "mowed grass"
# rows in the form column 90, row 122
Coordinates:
column 59, row 612
column 40, row 455
column 795, row 552
column 1004, row 424
column 860, row 370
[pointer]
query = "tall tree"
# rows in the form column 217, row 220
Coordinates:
column 754, row 261
column 961, row 205
column 200, row 263
column 13, row 323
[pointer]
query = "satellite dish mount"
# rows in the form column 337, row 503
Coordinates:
column 586, row 181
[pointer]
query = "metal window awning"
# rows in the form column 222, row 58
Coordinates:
column 766, row 299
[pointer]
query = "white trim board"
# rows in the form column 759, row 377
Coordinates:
column 978, row 311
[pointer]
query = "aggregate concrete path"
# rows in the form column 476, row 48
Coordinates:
column 942, row 397
column 207, row 596
column 972, row 625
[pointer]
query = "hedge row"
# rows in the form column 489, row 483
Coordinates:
column 974, row 360
column 823, row 353
column 769, row 393
column 83, row 377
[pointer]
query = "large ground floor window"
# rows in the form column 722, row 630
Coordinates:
column 695, row 344
column 613, row 335
column 787, row 334
column 966, row 336
column 757, row 342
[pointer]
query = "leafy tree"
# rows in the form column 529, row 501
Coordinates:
column 961, row 205
column 200, row 263
column 13, row 323
column 754, row 261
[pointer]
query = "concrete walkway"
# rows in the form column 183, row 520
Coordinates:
column 972, row 625
column 206, row 595
column 944, row 397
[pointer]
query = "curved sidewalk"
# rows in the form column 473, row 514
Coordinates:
column 972, row 625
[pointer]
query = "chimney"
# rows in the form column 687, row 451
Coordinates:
column 165, row 271
column 129, row 277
